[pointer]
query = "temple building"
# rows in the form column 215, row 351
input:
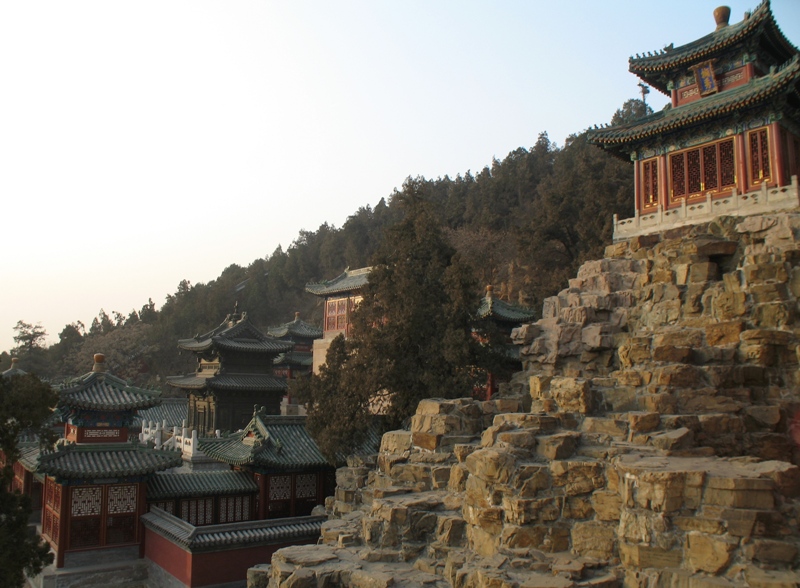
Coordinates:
column 235, row 371
column 729, row 141
column 341, row 295
column 95, row 479
column 302, row 335
column 505, row 317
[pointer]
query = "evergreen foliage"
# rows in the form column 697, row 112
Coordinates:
column 523, row 223
column 25, row 405
column 411, row 336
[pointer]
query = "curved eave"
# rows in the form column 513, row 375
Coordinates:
column 103, row 461
column 103, row 391
column 187, row 382
column 758, row 91
column 268, row 346
column 716, row 42
column 194, row 345
column 259, row 383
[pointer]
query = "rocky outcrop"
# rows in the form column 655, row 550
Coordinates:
column 648, row 442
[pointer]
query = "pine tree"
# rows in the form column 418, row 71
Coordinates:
column 411, row 337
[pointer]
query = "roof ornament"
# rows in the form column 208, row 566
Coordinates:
column 99, row 363
column 722, row 15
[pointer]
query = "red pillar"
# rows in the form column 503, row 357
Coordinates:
column 777, row 154
column 637, row 189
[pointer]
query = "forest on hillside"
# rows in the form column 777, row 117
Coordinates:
column 523, row 224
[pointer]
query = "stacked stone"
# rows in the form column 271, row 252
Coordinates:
column 647, row 443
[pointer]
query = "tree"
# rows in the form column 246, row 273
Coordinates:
column 411, row 336
column 30, row 348
column 25, row 404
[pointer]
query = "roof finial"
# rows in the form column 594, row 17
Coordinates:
column 297, row 315
column 722, row 15
column 489, row 289
column 99, row 363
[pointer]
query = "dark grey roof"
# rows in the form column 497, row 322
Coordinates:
column 761, row 25
column 348, row 281
column 14, row 370
column 502, row 311
column 235, row 333
column 172, row 410
column 277, row 442
column 296, row 328
column 106, row 460
column 249, row 533
column 257, row 382
column 301, row 358
column 104, row 391
column 190, row 484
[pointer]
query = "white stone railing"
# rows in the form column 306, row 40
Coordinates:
column 180, row 439
column 762, row 201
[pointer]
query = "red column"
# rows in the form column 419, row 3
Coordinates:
column 637, row 189
column 63, row 526
column 777, row 154
column 663, row 182
column 742, row 182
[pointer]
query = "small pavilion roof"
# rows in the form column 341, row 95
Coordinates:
column 214, row 537
column 193, row 484
column 270, row 441
column 296, row 328
column 347, row 281
column 759, row 91
column 99, row 390
column 761, row 24
column 301, row 358
column 240, row 382
column 105, row 460
column 235, row 333
column 14, row 370
column 276, row 442
column 502, row 311
column 172, row 410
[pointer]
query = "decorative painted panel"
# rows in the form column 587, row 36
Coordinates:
column 84, row 533
column 86, row 501
column 121, row 499
column 758, row 156
column 306, row 486
column 280, row 487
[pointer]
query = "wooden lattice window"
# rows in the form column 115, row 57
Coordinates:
column 233, row 509
column 84, row 532
column 198, row 512
column 120, row 529
column 705, row 169
column 166, row 506
column 650, row 182
column 758, row 156
column 336, row 314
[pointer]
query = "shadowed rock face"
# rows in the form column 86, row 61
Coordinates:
column 648, row 441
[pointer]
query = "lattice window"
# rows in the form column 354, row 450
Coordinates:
column 120, row 529
column 86, row 501
column 306, row 486
column 759, row 156
column 198, row 512
column 167, row 506
column 693, row 171
column 121, row 499
column 56, row 527
column 650, row 182
column 678, row 166
column 49, row 492
column 280, row 487
column 57, row 497
column 84, row 532
column 47, row 523
column 727, row 164
column 710, row 171
column 234, row 509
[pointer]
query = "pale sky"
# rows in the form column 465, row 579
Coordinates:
column 146, row 142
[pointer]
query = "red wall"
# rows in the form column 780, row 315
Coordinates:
column 203, row 569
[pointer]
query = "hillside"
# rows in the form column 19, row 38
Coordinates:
column 523, row 223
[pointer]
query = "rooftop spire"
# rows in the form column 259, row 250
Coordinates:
column 722, row 15
column 99, row 363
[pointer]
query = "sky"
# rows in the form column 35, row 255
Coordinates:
column 146, row 142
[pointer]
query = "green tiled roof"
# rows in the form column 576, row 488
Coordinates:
column 761, row 23
column 236, row 333
column 256, row 382
column 14, row 370
column 301, row 358
column 506, row 312
column 172, row 410
column 276, row 442
column 191, row 484
column 29, row 454
column 296, row 328
column 250, row 533
column 107, row 460
column 103, row 391
column 727, row 103
column 348, row 281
